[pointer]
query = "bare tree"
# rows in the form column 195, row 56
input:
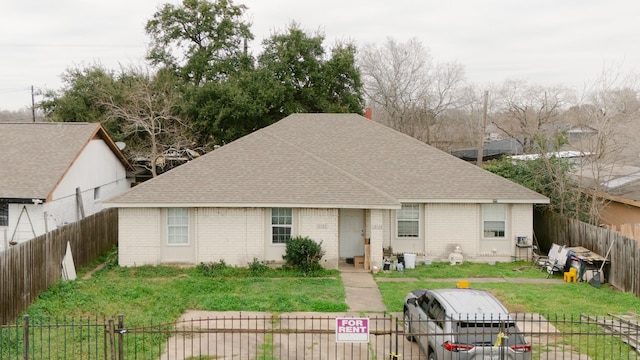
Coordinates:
column 610, row 107
column 525, row 111
column 146, row 112
column 406, row 88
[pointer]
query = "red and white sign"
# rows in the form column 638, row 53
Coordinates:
column 352, row 329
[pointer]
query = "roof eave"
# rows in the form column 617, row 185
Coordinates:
column 477, row 201
column 250, row 205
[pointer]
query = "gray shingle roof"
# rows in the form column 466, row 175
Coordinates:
column 35, row 156
column 325, row 160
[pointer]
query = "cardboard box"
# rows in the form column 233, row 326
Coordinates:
column 358, row 262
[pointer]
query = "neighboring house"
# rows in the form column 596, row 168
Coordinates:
column 52, row 173
column 337, row 178
column 619, row 188
column 491, row 150
column 578, row 134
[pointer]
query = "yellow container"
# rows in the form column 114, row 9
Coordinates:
column 463, row 284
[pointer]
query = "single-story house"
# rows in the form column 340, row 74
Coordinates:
column 53, row 174
column 618, row 189
column 337, row 178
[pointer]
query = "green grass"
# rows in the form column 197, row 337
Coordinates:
column 162, row 294
column 159, row 295
column 440, row 270
column 567, row 299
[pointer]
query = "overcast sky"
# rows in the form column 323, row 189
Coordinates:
column 543, row 41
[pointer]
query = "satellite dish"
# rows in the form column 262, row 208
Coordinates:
column 121, row 145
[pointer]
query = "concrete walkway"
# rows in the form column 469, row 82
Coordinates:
column 361, row 290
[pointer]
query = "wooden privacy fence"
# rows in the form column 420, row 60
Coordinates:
column 624, row 266
column 628, row 230
column 31, row 267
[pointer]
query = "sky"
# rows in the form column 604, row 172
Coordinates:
column 546, row 42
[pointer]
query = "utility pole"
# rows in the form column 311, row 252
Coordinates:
column 482, row 131
column 33, row 105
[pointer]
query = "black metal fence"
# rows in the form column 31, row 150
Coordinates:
column 301, row 336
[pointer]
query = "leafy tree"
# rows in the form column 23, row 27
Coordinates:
column 305, row 79
column 224, row 93
column 77, row 101
column 201, row 40
column 548, row 175
column 292, row 75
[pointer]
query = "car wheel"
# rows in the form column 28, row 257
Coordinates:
column 407, row 327
column 432, row 355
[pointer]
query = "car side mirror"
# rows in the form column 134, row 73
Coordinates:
column 413, row 301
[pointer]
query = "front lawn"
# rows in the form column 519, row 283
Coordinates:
column 570, row 299
column 162, row 294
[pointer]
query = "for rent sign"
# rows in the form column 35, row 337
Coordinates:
column 352, row 329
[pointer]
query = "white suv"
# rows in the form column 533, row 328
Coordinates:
column 462, row 324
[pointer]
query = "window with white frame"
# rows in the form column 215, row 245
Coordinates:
column 4, row 214
column 177, row 226
column 408, row 221
column 281, row 221
column 96, row 193
column 494, row 218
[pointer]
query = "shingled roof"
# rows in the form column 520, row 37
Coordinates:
column 325, row 160
column 36, row 156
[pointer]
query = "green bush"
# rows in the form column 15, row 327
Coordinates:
column 215, row 269
column 258, row 267
column 303, row 253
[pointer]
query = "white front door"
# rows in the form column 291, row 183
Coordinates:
column 351, row 233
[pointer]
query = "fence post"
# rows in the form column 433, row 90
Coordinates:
column 25, row 337
column 121, row 337
column 395, row 355
column 112, row 340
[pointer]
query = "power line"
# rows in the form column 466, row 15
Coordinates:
column 14, row 90
column 40, row 45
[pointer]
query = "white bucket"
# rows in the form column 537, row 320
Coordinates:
column 409, row 261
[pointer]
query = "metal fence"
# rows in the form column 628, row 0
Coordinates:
column 300, row 336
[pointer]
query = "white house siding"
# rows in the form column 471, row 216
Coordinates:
column 519, row 222
column 140, row 233
column 386, row 227
column 445, row 226
column 23, row 224
column 375, row 222
column 521, row 218
column 321, row 225
column 95, row 167
column 451, row 225
column 235, row 235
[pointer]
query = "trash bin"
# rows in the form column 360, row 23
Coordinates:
column 409, row 261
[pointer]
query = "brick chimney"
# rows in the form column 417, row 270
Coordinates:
column 368, row 113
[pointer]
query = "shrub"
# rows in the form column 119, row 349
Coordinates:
column 303, row 253
column 214, row 269
column 258, row 267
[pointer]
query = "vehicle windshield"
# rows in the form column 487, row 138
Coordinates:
column 486, row 333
